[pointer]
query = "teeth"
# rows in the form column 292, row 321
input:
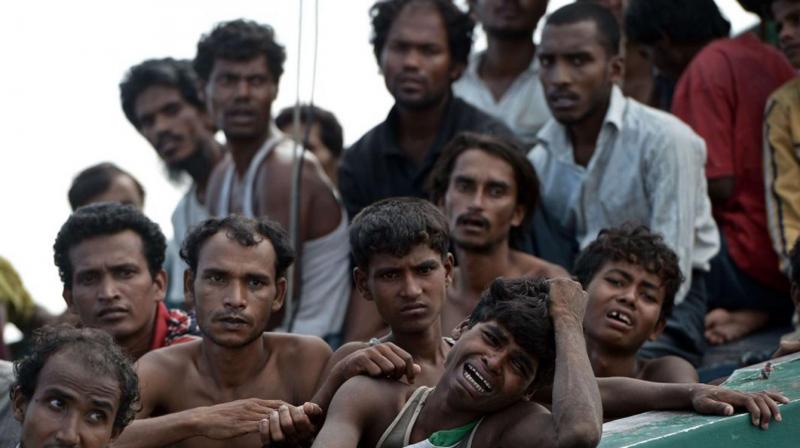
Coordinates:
column 620, row 317
column 476, row 379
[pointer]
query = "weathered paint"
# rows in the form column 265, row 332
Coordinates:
column 682, row 429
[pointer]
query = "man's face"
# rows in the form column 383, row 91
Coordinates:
column 576, row 72
column 481, row 201
column 408, row 291
column 787, row 17
column 487, row 370
column 234, row 290
column 173, row 126
column 240, row 96
column 415, row 61
column 122, row 190
column 112, row 288
column 315, row 144
column 509, row 18
column 71, row 406
column 624, row 306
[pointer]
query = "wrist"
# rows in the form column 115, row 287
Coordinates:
column 567, row 321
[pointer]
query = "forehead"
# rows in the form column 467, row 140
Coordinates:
column 479, row 163
column 125, row 247
column 255, row 66
column 497, row 327
column 222, row 253
column 122, row 189
column 66, row 372
column 577, row 37
column 418, row 254
column 636, row 271
column 156, row 96
column 419, row 23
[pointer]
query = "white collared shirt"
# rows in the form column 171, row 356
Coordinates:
column 522, row 108
column 648, row 167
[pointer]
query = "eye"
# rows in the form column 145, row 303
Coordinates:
column 462, row 185
column 496, row 192
column 614, row 281
column 255, row 283
column 227, row 79
column 215, row 278
column 172, row 109
column 126, row 273
column 545, row 61
column 425, row 269
column 490, row 338
column 56, row 404
column 650, row 298
column 257, row 80
column 146, row 121
column 97, row 417
column 391, row 275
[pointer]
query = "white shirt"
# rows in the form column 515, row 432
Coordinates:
column 648, row 168
column 522, row 108
column 189, row 212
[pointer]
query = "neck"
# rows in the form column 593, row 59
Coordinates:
column 607, row 363
column 438, row 414
column 138, row 344
column 243, row 150
column 479, row 269
column 424, row 345
column 584, row 135
column 419, row 125
column 201, row 172
column 506, row 57
column 232, row 367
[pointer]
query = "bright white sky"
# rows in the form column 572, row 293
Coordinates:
column 60, row 110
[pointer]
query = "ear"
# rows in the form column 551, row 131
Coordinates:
column 19, row 403
column 449, row 269
column 616, row 69
column 66, row 293
column 456, row 70
column 518, row 216
column 188, row 289
column 360, row 280
column 160, row 284
column 280, row 295
column 660, row 325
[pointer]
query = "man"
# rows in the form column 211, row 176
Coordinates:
column 214, row 392
column 76, row 388
column 17, row 307
column 787, row 17
column 487, row 190
column 421, row 47
column 631, row 278
column 9, row 427
column 508, row 349
column 110, row 257
column 605, row 159
column 105, row 182
column 320, row 131
column 161, row 100
column 503, row 80
column 239, row 65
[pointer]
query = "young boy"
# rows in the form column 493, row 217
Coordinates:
column 631, row 277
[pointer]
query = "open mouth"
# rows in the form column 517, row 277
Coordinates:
column 474, row 222
column 476, row 380
column 621, row 317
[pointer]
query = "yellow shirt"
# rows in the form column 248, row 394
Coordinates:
column 13, row 296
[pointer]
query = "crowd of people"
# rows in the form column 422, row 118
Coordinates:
column 537, row 238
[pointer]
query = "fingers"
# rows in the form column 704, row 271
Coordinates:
column 303, row 428
column 712, row 406
column 406, row 362
column 786, row 348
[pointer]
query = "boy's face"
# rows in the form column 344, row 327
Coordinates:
column 487, row 370
column 409, row 290
column 624, row 306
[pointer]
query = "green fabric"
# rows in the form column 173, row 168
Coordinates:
column 450, row 437
column 13, row 295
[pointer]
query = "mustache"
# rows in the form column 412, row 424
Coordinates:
column 165, row 137
column 471, row 218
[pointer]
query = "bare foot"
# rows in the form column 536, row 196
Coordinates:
column 725, row 326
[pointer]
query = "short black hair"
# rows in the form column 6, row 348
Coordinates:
column 95, row 350
column 637, row 245
column 503, row 148
column 794, row 263
column 458, row 23
column 107, row 218
column 682, row 21
column 167, row 72
column 394, row 226
column 246, row 231
column 608, row 30
column 95, row 180
column 330, row 131
column 239, row 40
column 520, row 305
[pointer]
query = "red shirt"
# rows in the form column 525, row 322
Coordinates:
column 172, row 327
column 722, row 95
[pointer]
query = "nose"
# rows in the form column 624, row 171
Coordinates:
column 108, row 289
column 235, row 296
column 243, row 88
column 411, row 287
column 411, row 60
column 67, row 434
column 493, row 361
column 478, row 198
column 785, row 34
column 628, row 297
column 558, row 74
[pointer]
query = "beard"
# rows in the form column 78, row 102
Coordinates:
column 199, row 161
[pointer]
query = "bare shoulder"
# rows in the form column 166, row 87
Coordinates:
column 380, row 398
column 531, row 266
column 168, row 362
column 524, row 423
column 296, row 346
column 668, row 369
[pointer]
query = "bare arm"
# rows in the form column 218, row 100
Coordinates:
column 669, row 369
column 347, row 417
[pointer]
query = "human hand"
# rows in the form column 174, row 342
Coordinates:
column 762, row 406
column 233, row 419
column 291, row 426
column 382, row 360
column 567, row 300
column 787, row 348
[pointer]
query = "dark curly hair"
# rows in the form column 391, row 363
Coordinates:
column 395, row 226
column 520, row 305
column 107, row 218
column 636, row 245
column 245, row 231
column 524, row 175
column 682, row 21
column 239, row 40
column 95, row 180
column 94, row 350
column 459, row 26
column 608, row 32
column 330, row 131
column 167, row 72
column 794, row 263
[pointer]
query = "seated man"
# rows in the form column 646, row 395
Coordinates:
column 320, row 131
column 76, row 389
column 110, row 258
column 631, row 277
column 105, row 182
column 523, row 335
column 213, row 392
column 791, row 343
column 488, row 191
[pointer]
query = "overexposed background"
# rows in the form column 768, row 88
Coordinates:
column 60, row 109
